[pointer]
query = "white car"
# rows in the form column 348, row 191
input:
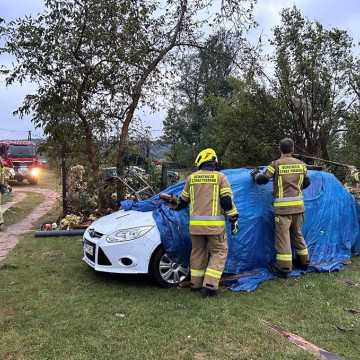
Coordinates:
column 128, row 242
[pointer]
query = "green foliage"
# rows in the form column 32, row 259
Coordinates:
column 311, row 66
column 309, row 97
column 205, row 73
column 349, row 151
column 182, row 131
column 240, row 119
column 243, row 128
column 95, row 62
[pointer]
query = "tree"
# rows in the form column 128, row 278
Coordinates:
column 205, row 73
column 64, row 144
column 354, row 78
column 182, row 131
column 349, row 151
column 243, row 127
column 57, row 146
column 102, row 59
column 311, row 65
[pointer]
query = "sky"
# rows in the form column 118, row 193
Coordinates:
column 332, row 13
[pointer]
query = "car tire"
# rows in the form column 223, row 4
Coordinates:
column 165, row 271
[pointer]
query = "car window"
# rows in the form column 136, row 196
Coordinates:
column 21, row 150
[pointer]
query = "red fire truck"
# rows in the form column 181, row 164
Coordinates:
column 22, row 158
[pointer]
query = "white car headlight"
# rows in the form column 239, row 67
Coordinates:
column 35, row 172
column 128, row 234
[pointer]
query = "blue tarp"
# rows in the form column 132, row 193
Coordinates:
column 331, row 228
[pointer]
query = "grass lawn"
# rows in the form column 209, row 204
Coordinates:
column 52, row 306
column 22, row 208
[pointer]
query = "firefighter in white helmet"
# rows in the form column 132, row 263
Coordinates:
column 208, row 194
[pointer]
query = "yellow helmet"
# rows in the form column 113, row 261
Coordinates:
column 205, row 156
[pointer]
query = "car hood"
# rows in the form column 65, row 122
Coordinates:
column 122, row 220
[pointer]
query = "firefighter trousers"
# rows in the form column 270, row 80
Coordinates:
column 288, row 233
column 208, row 258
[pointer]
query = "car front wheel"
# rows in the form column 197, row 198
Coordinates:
column 165, row 271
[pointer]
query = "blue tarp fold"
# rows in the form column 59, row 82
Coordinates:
column 331, row 228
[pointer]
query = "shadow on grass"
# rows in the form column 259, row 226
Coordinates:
column 130, row 280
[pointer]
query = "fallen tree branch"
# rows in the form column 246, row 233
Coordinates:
column 300, row 342
column 353, row 311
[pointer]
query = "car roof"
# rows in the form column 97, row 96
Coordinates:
column 17, row 142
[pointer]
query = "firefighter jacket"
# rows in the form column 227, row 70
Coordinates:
column 288, row 174
column 203, row 190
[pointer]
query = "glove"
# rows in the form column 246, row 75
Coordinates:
column 234, row 225
column 170, row 199
column 254, row 172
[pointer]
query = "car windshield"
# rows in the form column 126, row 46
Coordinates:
column 21, row 150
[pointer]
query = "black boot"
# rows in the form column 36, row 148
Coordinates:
column 274, row 269
column 205, row 292
column 301, row 266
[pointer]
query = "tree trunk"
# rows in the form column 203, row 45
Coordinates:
column 123, row 142
column 64, row 183
column 323, row 142
column 90, row 147
column 139, row 86
column 93, row 160
column 124, row 136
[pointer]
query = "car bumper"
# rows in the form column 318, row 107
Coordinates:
column 23, row 174
column 129, row 257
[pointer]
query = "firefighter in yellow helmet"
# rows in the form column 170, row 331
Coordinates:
column 208, row 194
column 290, row 178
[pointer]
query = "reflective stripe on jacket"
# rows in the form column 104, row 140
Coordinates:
column 203, row 190
column 288, row 174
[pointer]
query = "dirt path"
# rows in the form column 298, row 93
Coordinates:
column 10, row 237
